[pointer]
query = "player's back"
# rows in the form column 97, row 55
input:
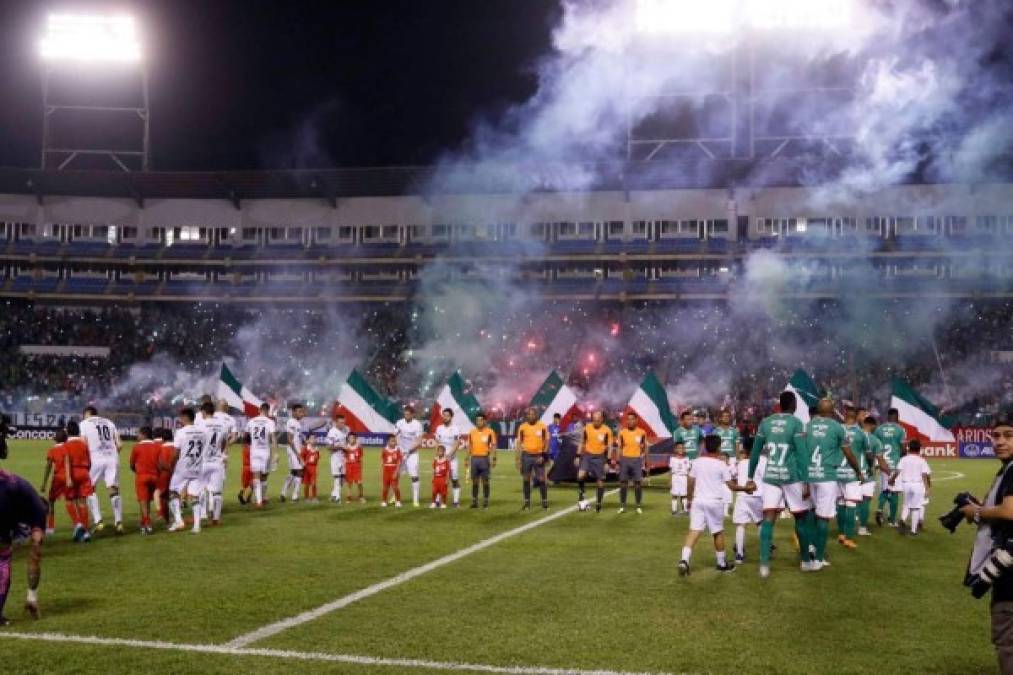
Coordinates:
column 100, row 434
column 911, row 467
column 192, row 442
column 77, row 449
column 217, row 431
column 260, row 429
column 824, row 441
column 710, row 475
column 144, row 457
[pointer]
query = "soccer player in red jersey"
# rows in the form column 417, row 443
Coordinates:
column 441, row 470
column 391, row 458
column 246, row 476
column 310, row 459
column 353, row 464
column 56, row 467
column 77, row 467
column 144, row 464
column 166, row 465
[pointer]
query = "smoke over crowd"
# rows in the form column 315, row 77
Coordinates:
column 922, row 91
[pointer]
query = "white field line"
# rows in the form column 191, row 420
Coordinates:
column 950, row 475
column 307, row 656
column 334, row 605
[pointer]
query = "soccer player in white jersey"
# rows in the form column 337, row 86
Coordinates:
column 449, row 436
column 914, row 479
column 191, row 443
column 679, row 465
column 409, row 438
column 336, row 437
column 296, row 441
column 748, row 505
column 213, row 475
column 263, row 443
column 708, row 477
column 104, row 450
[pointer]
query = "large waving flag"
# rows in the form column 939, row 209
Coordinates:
column 236, row 395
column 806, row 391
column 920, row 419
column 365, row 409
column 464, row 405
column 555, row 397
column 650, row 403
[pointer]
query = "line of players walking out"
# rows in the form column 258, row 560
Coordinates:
column 819, row 471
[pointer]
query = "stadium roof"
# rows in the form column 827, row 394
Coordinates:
column 333, row 184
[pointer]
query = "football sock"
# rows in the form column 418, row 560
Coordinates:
column 675, row 505
column 96, row 512
column 916, row 517
column 117, row 508
column 527, row 490
column 177, row 512
column 197, row 511
column 72, row 512
column 580, row 490
column 258, row 496
column 766, row 538
column 457, row 494
column 863, row 512
column 216, row 505
column 894, row 498
column 904, row 513
column 415, row 489
column 740, row 539
column 883, row 495
column 599, row 495
column 622, row 496
column 296, row 484
column 485, row 490
column 5, row 576
column 840, row 519
column 397, row 492
column 850, row 522
column 805, row 530
column 51, row 519
column 686, row 553
column 720, row 555
column 822, row 530
column 474, row 491
column 286, row 486
column 638, row 493
column 543, row 490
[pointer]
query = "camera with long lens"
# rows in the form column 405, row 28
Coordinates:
column 998, row 563
column 952, row 519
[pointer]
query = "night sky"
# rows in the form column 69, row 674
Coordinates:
column 268, row 84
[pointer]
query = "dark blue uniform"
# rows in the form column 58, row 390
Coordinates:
column 20, row 506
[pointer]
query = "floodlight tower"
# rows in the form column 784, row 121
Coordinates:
column 94, row 93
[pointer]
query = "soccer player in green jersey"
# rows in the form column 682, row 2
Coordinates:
column 776, row 461
column 892, row 436
column 851, row 487
column 869, row 485
column 827, row 448
column 731, row 447
column 689, row 434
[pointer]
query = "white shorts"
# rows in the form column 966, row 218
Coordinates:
column 411, row 465
column 337, row 464
column 189, row 485
column 728, row 495
column 777, row 497
column 106, row 469
column 824, row 498
column 213, row 477
column 914, row 495
column 707, row 515
column 259, row 461
column 850, row 491
column 294, row 462
column 869, row 489
column 679, row 486
column 748, row 509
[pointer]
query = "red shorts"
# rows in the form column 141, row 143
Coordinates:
column 58, row 488
column 162, row 483
column 246, row 477
column 309, row 473
column 145, row 485
column 390, row 474
column 82, row 487
column 353, row 473
column 440, row 486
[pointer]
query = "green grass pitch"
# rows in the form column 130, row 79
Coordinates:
column 588, row 591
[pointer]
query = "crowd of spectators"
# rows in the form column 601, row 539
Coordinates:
column 709, row 355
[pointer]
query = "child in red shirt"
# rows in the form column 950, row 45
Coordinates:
column 391, row 458
column 353, row 464
column 310, row 458
column 441, row 469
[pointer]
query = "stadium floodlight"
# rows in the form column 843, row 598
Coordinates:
column 727, row 16
column 90, row 38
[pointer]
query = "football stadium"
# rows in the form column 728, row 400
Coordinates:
column 506, row 336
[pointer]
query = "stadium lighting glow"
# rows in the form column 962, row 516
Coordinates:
column 92, row 39
column 727, row 16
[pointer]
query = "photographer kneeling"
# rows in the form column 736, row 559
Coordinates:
column 993, row 545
